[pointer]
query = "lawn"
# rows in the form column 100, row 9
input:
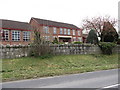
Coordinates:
column 31, row 67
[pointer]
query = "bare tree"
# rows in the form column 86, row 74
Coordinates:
column 39, row 46
column 97, row 23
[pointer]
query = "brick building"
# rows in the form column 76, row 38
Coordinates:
column 62, row 31
column 14, row 32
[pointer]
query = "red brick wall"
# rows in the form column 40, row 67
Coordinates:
column 35, row 24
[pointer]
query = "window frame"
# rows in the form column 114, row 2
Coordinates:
column 74, row 32
column 69, row 32
column 6, row 36
column 61, row 30
column 54, row 30
column 16, row 35
column 46, row 29
column 27, row 36
column 65, row 31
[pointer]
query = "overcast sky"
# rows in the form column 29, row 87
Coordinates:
column 68, row 11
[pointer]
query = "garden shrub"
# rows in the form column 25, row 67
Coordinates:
column 107, row 47
column 118, row 42
column 39, row 47
column 77, row 42
column 55, row 41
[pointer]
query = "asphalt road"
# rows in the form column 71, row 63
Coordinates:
column 98, row 79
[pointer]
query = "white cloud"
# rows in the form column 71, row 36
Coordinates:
column 69, row 11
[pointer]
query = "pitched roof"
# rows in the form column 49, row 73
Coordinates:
column 15, row 25
column 54, row 23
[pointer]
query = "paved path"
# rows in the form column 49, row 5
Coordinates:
column 97, row 79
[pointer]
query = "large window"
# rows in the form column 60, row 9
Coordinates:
column 5, row 35
column 46, row 29
column 78, row 33
column 54, row 30
column 65, row 31
column 26, row 36
column 68, row 31
column 61, row 31
column 16, row 35
column 73, row 32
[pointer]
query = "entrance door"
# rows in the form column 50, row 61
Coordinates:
column 65, row 39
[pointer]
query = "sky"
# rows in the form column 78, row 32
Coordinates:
column 67, row 11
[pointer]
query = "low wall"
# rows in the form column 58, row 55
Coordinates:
column 75, row 49
column 23, row 51
column 14, row 51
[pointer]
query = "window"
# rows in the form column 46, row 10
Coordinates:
column 65, row 31
column 78, row 33
column 79, row 39
column 26, row 36
column 54, row 30
column 74, row 38
column 46, row 29
column 47, row 38
column 61, row 31
column 16, row 35
column 73, row 32
column 68, row 31
column 5, row 35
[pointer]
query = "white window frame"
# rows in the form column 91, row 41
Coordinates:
column 65, row 31
column 61, row 31
column 73, row 32
column 26, row 35
column 6, row 35
column 15, row 35
column 46, row 29
column 68, row 31
column 54, row 30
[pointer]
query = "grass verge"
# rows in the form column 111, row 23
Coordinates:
column 31, row 67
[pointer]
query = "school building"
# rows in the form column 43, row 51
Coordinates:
column 21, row 33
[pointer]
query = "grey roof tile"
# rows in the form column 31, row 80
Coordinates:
column 10, row 24
column 54, row 23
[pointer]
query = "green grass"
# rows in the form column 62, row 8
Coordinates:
column 30, row 67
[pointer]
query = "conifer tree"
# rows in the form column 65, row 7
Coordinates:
column 92, row 37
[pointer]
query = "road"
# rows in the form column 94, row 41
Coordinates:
column 98, row 79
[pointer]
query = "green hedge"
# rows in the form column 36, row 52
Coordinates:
column 107, row 47
column 77, row 42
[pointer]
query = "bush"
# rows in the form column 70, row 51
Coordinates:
column 77, row 42
column 55, row 41
column 39, row 47
column 46, row 56
column 107, row 47
column 118, row 42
